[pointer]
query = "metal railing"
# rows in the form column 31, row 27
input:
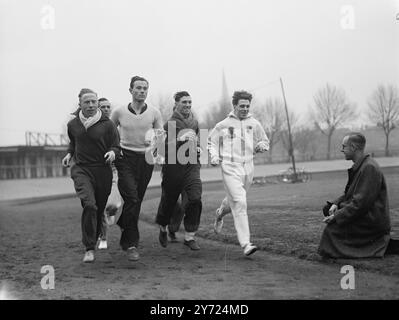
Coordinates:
column 57, row 170
column 45, row 139
column 32, row 171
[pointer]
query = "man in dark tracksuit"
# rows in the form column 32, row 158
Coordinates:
column 181, row 171
column 94, row 144
column 177, row 217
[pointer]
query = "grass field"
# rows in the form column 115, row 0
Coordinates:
column 287, row 219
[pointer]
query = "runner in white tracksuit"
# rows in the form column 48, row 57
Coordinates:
column 233, row 143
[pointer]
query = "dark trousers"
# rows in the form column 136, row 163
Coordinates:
column 134, row 174
column 176, row 179
column 393, row 247
column 93, row 186
column 178, row 213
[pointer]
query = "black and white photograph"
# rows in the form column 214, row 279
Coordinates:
column 199, row 155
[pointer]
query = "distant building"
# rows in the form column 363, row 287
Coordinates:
column 26, row 162
column 39, row 158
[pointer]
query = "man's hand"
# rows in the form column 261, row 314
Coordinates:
column 261, row 147
column 215, row 161
column 109, row 157
column 190, row 135
column 199, row 150
column 66, row 160
column 159, row 160
column 329, row 219
column 333, row 209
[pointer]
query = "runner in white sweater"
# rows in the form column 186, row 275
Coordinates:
column 136, row 123
column 233, row 143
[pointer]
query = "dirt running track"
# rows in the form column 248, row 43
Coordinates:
column 48, row 233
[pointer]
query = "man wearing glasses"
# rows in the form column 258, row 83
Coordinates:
column 358, row 222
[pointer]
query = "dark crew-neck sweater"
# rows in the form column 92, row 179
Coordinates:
column 88, row 147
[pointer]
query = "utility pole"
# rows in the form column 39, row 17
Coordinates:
column 291, row 148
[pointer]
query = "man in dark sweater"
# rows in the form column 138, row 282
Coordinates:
column 114, row 200
column 94, row 144
column 181, row 172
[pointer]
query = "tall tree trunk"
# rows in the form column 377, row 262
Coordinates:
column 328, row 145
column 271, row 153
column 387, row 144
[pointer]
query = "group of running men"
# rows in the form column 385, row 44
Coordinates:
column 115, row 151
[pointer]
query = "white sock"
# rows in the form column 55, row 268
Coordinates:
column 189, row 236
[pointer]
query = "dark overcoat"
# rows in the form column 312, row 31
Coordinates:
column 362, row 224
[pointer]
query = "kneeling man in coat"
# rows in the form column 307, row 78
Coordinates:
column 358, row 222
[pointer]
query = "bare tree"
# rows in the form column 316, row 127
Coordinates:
column 314, row 146
column 384, row 109
column 293, row 117
column 330, row 111
column 271, row 116
column 165, row 105
column 216, row 113
column 304, row 140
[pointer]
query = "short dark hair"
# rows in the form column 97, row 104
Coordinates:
column 180, row 94
column 357, row 139
column 238, row 95
column 84, row 91
column 103, row 99
column 137, row 78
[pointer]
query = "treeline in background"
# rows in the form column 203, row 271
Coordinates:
column 317, row 133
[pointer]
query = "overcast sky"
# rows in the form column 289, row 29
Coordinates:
column 185, row 45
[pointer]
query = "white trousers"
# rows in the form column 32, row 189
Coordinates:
column 237, row 179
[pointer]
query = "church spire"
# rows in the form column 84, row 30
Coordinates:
column 225, row 92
